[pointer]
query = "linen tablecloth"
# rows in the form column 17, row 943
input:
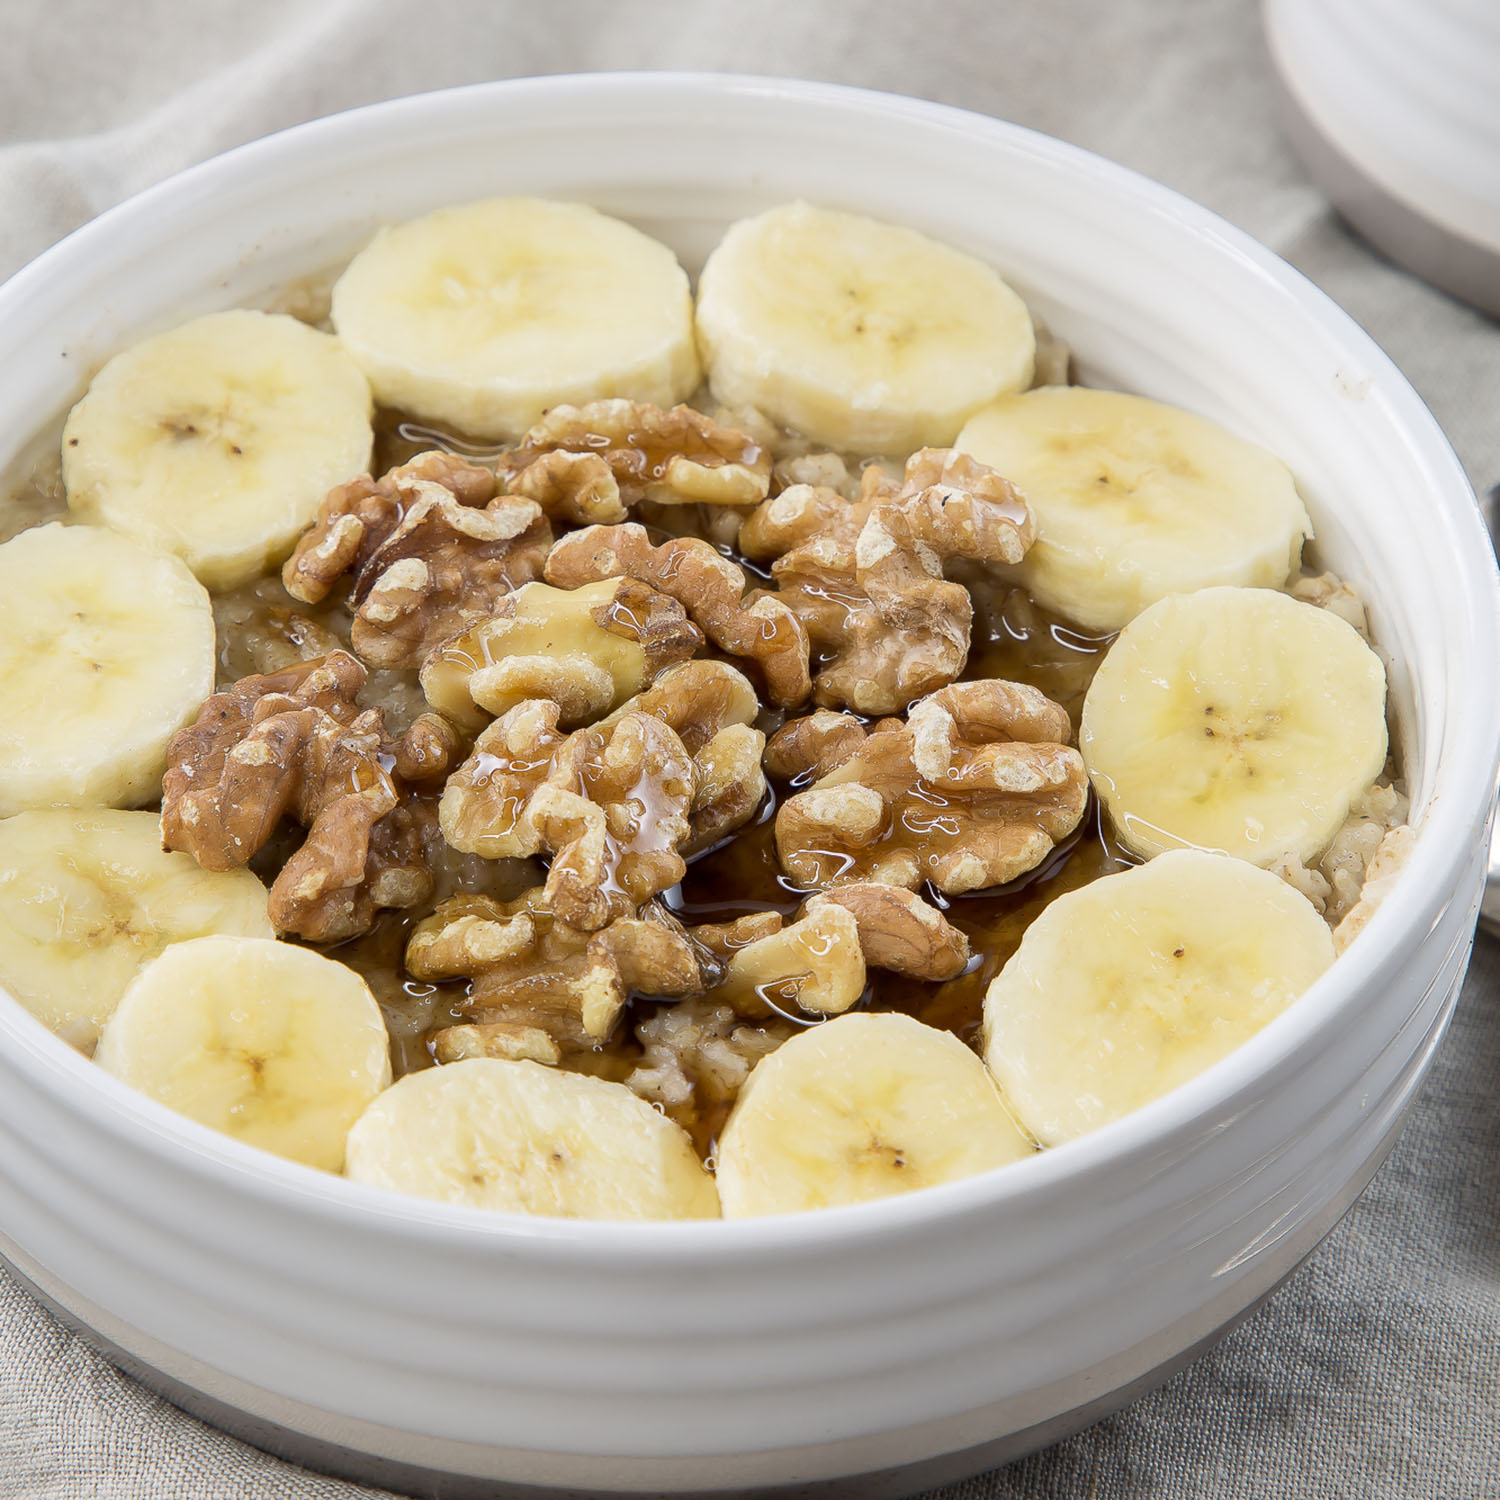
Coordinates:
column 1375, row 1373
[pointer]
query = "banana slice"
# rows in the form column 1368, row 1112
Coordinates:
column 1234, row 719
column 862, row 335
column 523, row 1138
column 861, row 1107
column 106, row 650
column 217, row 440
column 1134, row 984
column 88, row 897
column 484, row 315
column 272, row 1044
column 1135, row 500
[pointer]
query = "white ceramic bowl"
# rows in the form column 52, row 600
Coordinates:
column 930, row 1334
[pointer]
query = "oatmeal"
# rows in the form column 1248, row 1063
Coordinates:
column 623, row 733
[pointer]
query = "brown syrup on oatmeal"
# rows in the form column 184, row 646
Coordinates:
column 1015, row 638
column 399, row 438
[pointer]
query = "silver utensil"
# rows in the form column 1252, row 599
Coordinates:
column 1489, row 907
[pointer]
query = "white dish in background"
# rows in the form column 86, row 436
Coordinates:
column 1394, row 106
column 932, row 1334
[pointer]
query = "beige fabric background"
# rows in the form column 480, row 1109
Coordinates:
column 1376, row 1372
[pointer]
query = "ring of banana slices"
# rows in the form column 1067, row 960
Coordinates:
column 664, row 813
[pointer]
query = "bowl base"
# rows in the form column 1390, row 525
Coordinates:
column 334, row 1459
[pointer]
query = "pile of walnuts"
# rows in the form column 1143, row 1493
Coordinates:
column 599, row 698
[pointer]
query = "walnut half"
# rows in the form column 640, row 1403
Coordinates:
column 898, row 930
column 590, row 463
column 973, row 791
column 586, row 649
column 611, row 804
column 707, row 584
column 295, row 743
column 670, row 772
column 613, row 812
column 442, row 569
column 811, row 747
column 711, row 707
column 355, row 518
column 815, row 964
column 818, row 963
column 542, row 987
column 865, row 576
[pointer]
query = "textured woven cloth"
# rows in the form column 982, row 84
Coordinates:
column 1375, row 1373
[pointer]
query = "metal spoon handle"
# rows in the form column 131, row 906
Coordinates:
column 1489, row 906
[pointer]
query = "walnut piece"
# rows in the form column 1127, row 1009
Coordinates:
column 805, row 511
column 804, row 749
column 975, row 790
column 611, row 804
column 710, row 706
column 865, row 577
column 894, row 929
column 535, row 976
column 898, row 930
column 725, row 939
column 486, row 807
column 962, row 508
column 443, row 569
column 355, row 518
column 469, row 932
column 613, row 812
column 398, row 874
column 707, row 584
column 295, row 743
column 873, row 659
column 574, row 487
column 515, row 1041
column 814, row 964
column 588, row 464
column 728, row 786
column 697, row 699
column 988, row 712
column 586, row 649
column 946, row 501
column 484, row 801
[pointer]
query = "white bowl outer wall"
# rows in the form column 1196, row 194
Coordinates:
column 631, row 1357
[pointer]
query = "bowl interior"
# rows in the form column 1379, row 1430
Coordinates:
column 1155, row 295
